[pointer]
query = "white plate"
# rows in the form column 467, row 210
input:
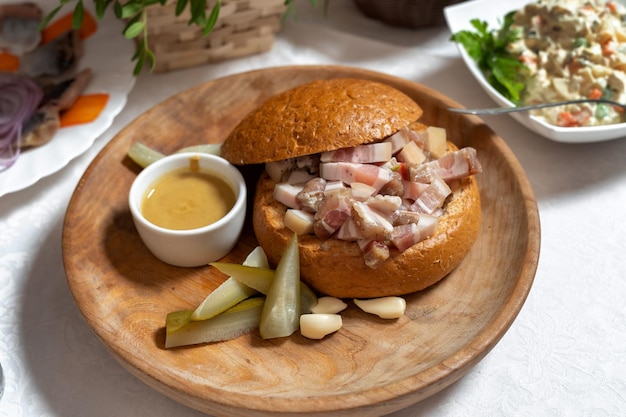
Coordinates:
column 108, row 53
column 493, row 11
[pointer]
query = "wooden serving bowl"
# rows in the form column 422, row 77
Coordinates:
column 371, row 366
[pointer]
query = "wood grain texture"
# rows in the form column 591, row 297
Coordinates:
column 371, row 366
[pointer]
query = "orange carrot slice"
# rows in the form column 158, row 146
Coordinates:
column 86, row 109
column 9, row 62
column 595, row 93
column 64, row 24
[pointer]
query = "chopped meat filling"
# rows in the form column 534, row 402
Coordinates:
column 380, row 195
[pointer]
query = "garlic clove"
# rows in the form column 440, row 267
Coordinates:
column 383, row 307
column 317, row 326
column 328, row 305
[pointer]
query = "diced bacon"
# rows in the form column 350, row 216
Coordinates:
column 403, row 171
column 374, row 252
column 308, row 163
column 312, row 193
column 400, row 168
column 459, row 164
column 406, row 204
column 403, row 236
column 349, row 231
column 394, row 187
column 398, row 140
column 299, row 221
column 279, row 170
column 472, row 160
column 402, row 216
column 433, row 197
column 287, row 194
column 380, row 195
column 362, row 154
column 412, row 189
column 423, row 173
column 417, row 133
column 411, row 154
column 331, row 213
column 452, row 166
column 391, row 164
column 362, row 191
column 332, row 186
column 385, row 204
column 350, row 172
column 299, row 176
column 406, row 235
column 373, row 225
column 428, row 225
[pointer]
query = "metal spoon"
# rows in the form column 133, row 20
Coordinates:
column 502, row 110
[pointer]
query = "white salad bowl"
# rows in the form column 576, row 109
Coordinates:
column 458, row 18
column 192, row 247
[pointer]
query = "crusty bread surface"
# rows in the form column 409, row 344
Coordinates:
column 319, row 116
column 332, row 114
column 336, row 268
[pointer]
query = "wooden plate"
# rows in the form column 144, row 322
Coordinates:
column 371, row 366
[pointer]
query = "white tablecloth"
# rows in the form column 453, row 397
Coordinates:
column 565, row 355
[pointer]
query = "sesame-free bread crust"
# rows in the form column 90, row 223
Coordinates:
column 319, row 116
column 336, row 268
column 332, row 114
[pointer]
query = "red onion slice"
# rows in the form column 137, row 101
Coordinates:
column 19, row 98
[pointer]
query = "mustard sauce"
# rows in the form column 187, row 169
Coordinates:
column 187, row 198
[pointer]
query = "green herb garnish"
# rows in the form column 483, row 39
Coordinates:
column 488, row 48
column 580, row 42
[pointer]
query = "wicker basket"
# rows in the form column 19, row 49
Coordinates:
column 244, row 27
column 413, row 14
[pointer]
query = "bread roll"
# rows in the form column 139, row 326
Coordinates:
column 319, row 116
column 328, row 115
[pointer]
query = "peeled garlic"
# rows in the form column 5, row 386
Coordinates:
column 328, row 305
column 316, row 326
column 383, row 307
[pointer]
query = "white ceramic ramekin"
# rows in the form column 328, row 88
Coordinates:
column 194, row 247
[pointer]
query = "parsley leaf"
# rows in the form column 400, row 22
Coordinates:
column 488, row 48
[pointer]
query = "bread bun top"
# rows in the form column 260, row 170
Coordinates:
column 319, row 116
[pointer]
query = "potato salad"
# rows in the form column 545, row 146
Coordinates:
column 574, row 49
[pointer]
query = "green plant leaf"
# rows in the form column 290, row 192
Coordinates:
column 117, row 9
column 488, row 48
column 49, row 17
column 79, row 14
column 140, row 50
column 472, row 42
column 134, row 30
column 151, row 59
column 210, row 24
column 101, row 7
column 139, row 65
column 131, row 9
column 505, row 72
column 197, row 9
column 181, row 5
